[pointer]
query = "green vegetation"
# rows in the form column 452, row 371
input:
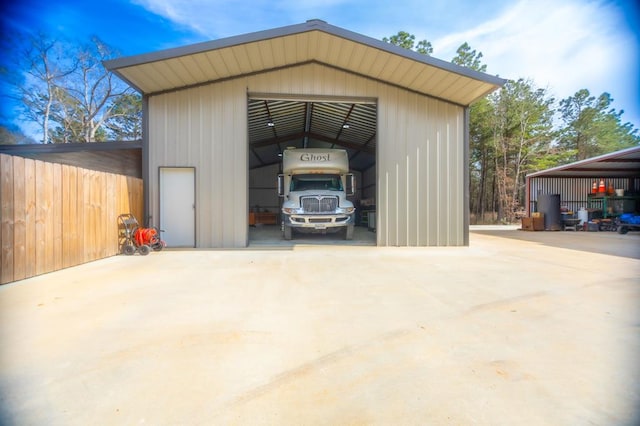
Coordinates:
column 521, row 129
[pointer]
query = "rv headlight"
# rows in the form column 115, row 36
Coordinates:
column 287, row 210
column 348, row 209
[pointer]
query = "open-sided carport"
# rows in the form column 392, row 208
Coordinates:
column 203, row 103
column 574, row 181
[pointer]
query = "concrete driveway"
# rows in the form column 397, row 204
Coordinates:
column 503, row 332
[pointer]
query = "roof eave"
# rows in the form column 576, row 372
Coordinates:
column 114, row 65
column 568, row 167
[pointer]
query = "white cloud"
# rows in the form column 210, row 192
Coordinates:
column 564, row 45
column 209, row 18
column 224, row 18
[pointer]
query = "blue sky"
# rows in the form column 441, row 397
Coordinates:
column 562, row 45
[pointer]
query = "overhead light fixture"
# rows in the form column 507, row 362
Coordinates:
column 270, row 123
column 345, row 126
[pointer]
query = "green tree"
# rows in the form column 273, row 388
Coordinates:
column 511, row 134
column 125, row 121
column 482, row 150
column 407, row 41
column 592, row 127
column 481, row 158
column 522, row 131
column 13, row 136
column 469, row 58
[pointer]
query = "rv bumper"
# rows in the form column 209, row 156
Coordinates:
column 318, row 222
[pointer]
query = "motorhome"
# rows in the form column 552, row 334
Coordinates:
column 315, row 184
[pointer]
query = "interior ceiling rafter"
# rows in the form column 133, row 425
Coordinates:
column 275, row 124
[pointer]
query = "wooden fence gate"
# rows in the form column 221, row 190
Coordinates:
column 55, row 216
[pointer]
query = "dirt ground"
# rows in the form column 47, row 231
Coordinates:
column 510, row 330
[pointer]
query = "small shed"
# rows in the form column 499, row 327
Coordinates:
column 218, row 114
column 574, row 184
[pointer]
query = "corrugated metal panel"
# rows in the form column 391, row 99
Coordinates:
column 420, row 171
column 205, row 129
column 573, row 191
column 419, row 164
column 620, row 164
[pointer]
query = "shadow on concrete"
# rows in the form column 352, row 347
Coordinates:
column 610, row 243
column 263, row 236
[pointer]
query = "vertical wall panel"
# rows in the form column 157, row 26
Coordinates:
column 30, row 215
column 56, row 211
column 209, row 133
column 6, row 219
column 419, row 161
column 110, row 211
column 88, row 219
column 425, row 206
column 19, row 223
column 69, row 216
column 44, row 215
column 412, row 192
column 80, row 215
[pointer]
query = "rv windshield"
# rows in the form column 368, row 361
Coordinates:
column 316, row 181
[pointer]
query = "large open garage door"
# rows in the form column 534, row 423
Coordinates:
column 276, row 123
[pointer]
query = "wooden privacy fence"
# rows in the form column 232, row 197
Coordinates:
column 56, row 216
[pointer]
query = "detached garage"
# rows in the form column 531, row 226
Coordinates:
column 219, row 114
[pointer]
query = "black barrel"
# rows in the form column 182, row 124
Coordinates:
column 549, row 205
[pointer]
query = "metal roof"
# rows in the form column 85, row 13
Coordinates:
column 623, row 163
column 275, row 124
column 348, row 124
column 312, row 41
column 124, row 158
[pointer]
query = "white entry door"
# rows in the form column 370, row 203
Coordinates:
column 177, row 206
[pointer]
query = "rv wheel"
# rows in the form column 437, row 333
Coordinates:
column 287, row 233
column 348, row 232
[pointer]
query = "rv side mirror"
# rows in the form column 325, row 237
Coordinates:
column 281, row 185
column 351, row 184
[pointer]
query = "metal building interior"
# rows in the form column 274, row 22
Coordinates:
column 277, row 124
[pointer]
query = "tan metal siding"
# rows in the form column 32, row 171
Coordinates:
column 420, row 171
column 419, row 163
column 204, row 128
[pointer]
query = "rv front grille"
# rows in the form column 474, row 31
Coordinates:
column 319, row 204
column 320, row 220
